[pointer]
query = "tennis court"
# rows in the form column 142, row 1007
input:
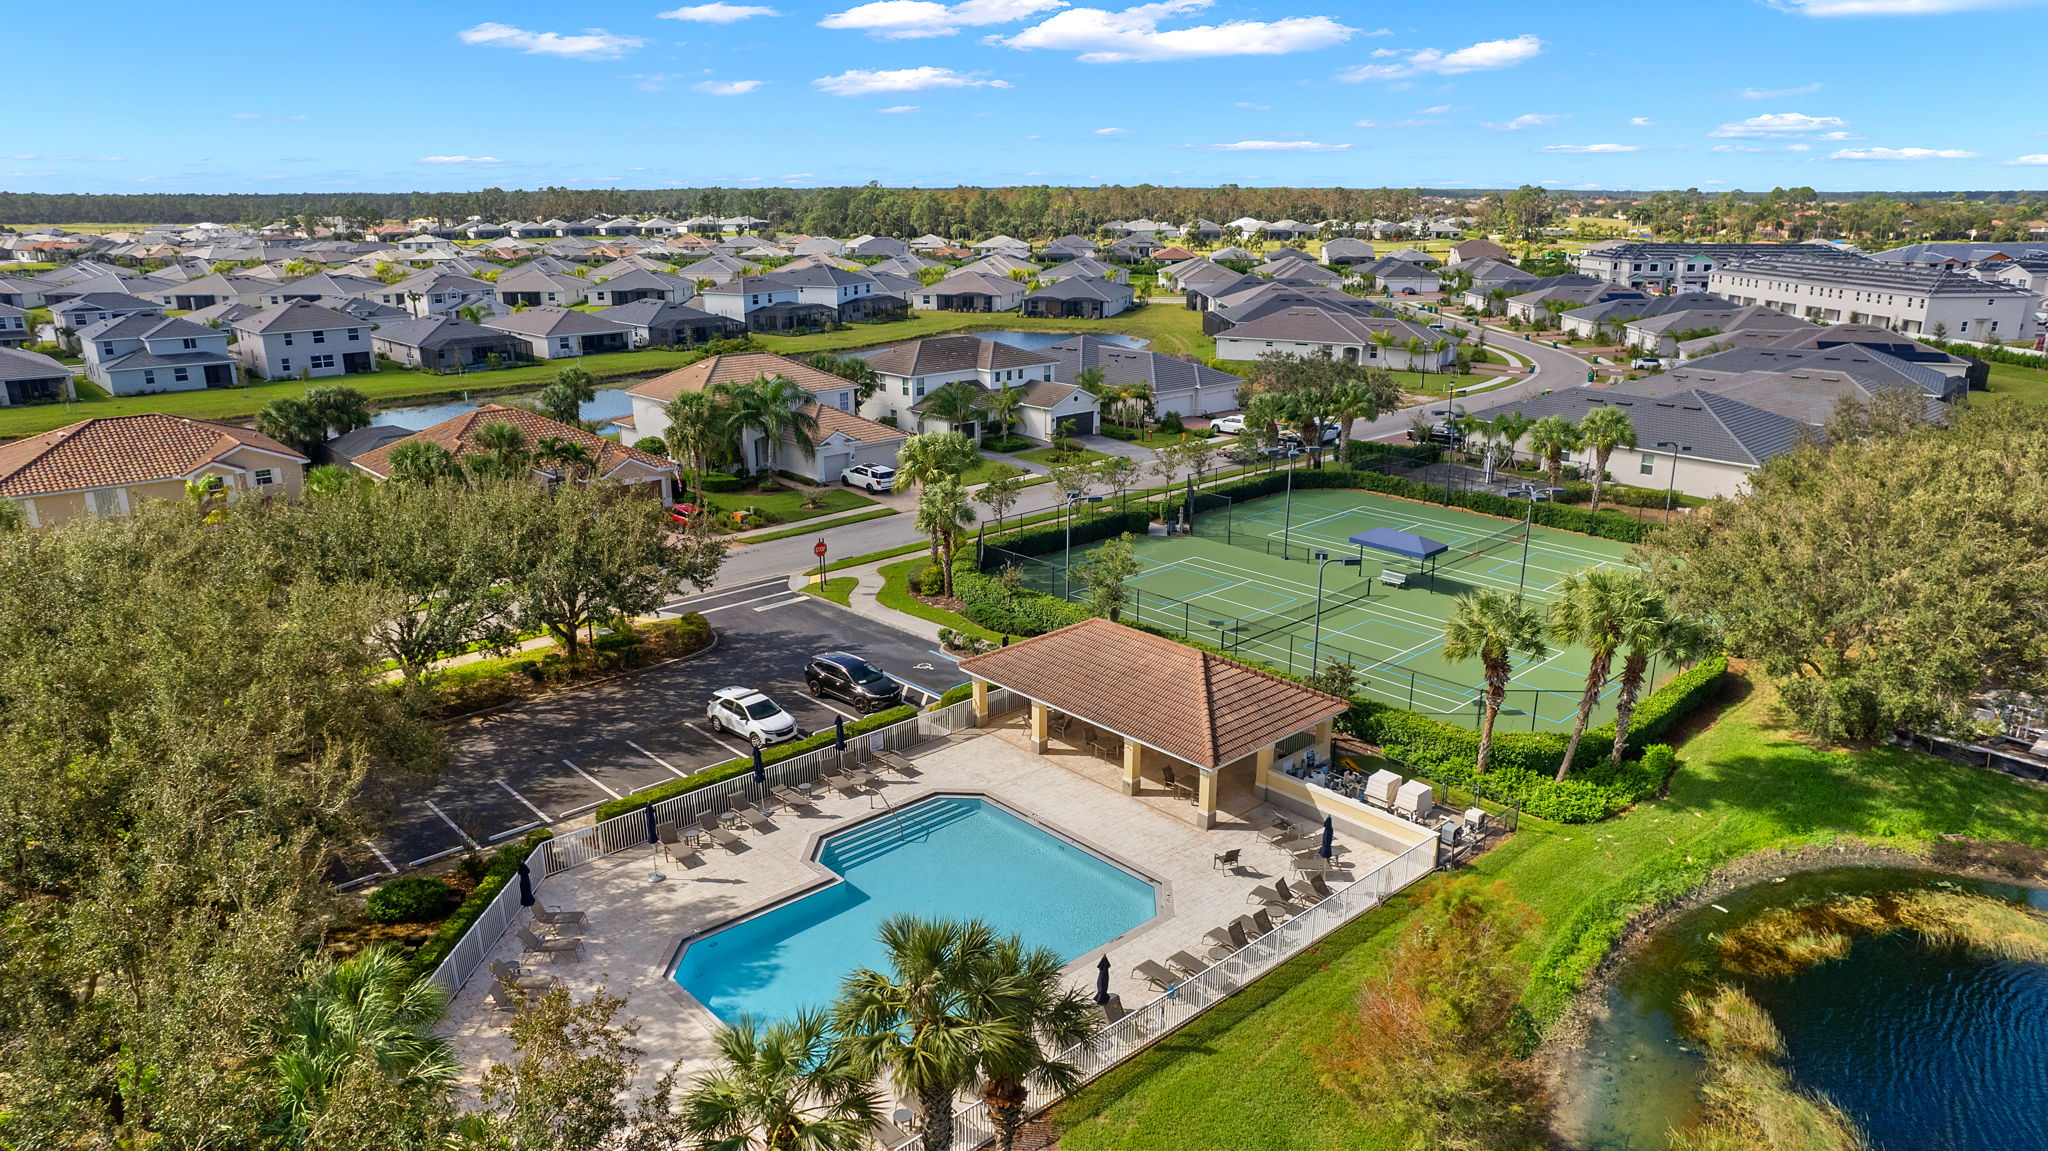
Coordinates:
column 1246, row 582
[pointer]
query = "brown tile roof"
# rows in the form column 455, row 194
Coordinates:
column 738, row 367
column 867, row 431
column 457, row 434
column 1188, row 703
column 117, row 450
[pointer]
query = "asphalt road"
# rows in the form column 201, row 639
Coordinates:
column 561, row 755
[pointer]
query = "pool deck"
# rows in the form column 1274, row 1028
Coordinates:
column 633, row 928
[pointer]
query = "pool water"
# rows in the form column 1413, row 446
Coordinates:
column 947, row 857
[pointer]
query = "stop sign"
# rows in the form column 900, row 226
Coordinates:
column 819, row 549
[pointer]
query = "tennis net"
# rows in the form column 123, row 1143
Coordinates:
column 1492, row 541
column 1237, row 636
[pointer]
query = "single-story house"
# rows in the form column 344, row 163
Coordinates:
column 1346, row 250
column 1078, row 297
column 342, row 450
column 1401, row 276
column 533, row 286
column 664, row 323
column 640, row 284
column 32, row 378
column 635, row 470
column 13, row 326
column 444, row 343
column 551, row 333
column 844, row 438
column 107, row 466
column 1465, row 251
column 972, row 292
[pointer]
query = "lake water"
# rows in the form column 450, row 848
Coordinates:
column 1922, row 1046
column 1033, row 341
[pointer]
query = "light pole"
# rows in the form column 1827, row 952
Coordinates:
column 1067, row 559
column 1287, row 515
column 1528, row 529
column 1671, row 487
column 1315, row 652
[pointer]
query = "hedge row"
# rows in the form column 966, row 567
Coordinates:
column 503, row 865
column 1605, row 525
column 1052, row 536
column 738, row 767
column 989, row 601
column 955, row 695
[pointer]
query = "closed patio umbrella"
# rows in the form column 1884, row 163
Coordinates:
column 839, row 733
column 1102, row 980
column 1329, row 835
column 525, row 885
column 651, row 836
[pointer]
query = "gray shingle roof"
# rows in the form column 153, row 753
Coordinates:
column 1082, row 288
column 552, row 321
column 438, row 331
column 1124, row 365
column 1714, row 427
column 1873, row 275
column 297, row 316
column 1863, row 363
column 953, row 354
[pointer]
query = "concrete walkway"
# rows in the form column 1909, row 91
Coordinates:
column 866, row 601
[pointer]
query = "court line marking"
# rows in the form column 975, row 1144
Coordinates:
column 600, row 784
column 715, row 739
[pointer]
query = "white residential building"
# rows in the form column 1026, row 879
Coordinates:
column 1904, row 298
column 138, row 355
column 302, row 340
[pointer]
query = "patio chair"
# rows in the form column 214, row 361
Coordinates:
column 1059, row 722
column 554, row 949
column 705, row 826
column 895, row 764
column 729, row 840
column 1309, row 863
column 790, row 798
column 513, row 975
column 1153, row 973
column 672, row 845
column 555, row 917
column 1319, row 886
column 1263, row 921
column 854, row 787
column 1226, row 860
column 504, row 997
column 755, row 818
column 1281, row 832
column 1186, row 964
column 1112, row 1009
column 1228, row 940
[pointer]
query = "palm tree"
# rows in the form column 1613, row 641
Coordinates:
column 922, row 1023
column 504, row 445
column 929, row 456
column 1493, row 626
column 368, row 1014
column 781, row 1087
column 568, row 459
column 291, row 421
column 423, row 462
column 1589, row 610
column 943, row 516
column 771, row 408
column 1550, row 438
column 954, row 405
column 1512, row 426
column 1649, row 631
column 1037, row 1015
column 339, row 408
column 692, row 434
column 1002, row 406
column 329, row 479
column 1604, row 429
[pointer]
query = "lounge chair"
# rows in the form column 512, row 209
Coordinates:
column 1262, row 923
column 672, row 845
column 1229, row 940
column 1112, row 1009
column 1156, row 975
column 1226, row 860
column 705, row 826
column 552, row 948
column 1186, row 964
column 1319, row 886
column 556, row 918
column 504, row 996
column 755, row 818
column 789, row 797
column 1311, row 863
column 1281, row 832
column 729, row 840
column 512, row 975
column 854, row 787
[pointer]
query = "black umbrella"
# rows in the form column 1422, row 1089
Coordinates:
column 760, row 769
column 839, row 733
column 1102, row 980
column 1329, row 834
column 525, row 885
column 651, row 836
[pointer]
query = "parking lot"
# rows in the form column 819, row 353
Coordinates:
column 561, row 755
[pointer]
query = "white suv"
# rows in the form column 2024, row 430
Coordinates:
column 747, row 713
column 873, row 477
column 1227, row 425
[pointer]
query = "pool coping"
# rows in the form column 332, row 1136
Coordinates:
column 1163, row 902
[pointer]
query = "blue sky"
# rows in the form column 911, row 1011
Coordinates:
column 235, row 95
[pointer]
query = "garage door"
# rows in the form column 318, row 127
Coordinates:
column 1083, row 423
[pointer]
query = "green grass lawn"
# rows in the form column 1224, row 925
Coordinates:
column 1170, row 328
column 895, row 594
column 985, row 471
column 2029, row 384
column 1050, row 458
column 1242, row 1077
column 838, row 589
column 1154, row 438
column 786, row 507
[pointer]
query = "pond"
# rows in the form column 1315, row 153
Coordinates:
column 608, row 404
column 1033, row 341
column 1922, row 1045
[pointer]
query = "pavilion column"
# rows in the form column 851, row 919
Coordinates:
column 1325, row 750
column 1263, row 769
column 980, row 703
column 1205, row 799
column 1134, row 765
column 1041, row 724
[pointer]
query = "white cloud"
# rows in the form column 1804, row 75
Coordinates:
column 862, row 82
column 2036, row 158
column 1901, row 154
column 1777, row 93
column 1525, row 122
column 727, row 87
column 1757, row 148
column 1588, row 149
column 1112, row 131
column 1641, row 122
column 459, row 160
column 896, row 110
column 1439, row 110
column 1887, row 7
column 1411, row 123
column 719, row 13
column 1484, row 56
column 799, row 176
column 1778, row 124
column 918, row 19
column 1834, row 136
column 590, row 44
column 1255, row 107
column 1274, row 146
column 1105, row 37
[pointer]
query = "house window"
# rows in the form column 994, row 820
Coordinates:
column 352, row 333
column 1647, row 466
column 323, row 360
column 319, row 337
column 287, row 339
column 265, row 477
column 106, row 349
column 148, row 377
column 180, row 374
column 285, row 365
column 189, row 344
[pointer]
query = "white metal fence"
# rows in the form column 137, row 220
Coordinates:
column 1148, row 1024
column 575, row 848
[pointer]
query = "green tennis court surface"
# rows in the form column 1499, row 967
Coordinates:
column 1246, row 582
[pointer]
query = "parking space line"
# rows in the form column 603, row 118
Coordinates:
column 784, row 603
column 600, row 786
column 679, row 774
column 423, row 860
column 744, row 602
column 853, row 715
column 381, row 857
column 715, row 739
column 517, row 830
column 537, row 812
column 452, row 826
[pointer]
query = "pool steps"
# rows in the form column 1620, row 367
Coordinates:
column 883, row 835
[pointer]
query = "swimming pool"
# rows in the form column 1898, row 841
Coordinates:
column 945, row 857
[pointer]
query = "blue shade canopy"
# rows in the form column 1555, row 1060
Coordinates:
column 1407, row 544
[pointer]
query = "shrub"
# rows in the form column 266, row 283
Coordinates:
column 1007, row 444
column 738, row 767
column 1052, row 537
column 999, row 606
column 955, row 695
column 652, row 445
column 414, row 899
column 723, row 482
column 929, row 580
column 504, row 864
column 1119, row 432
column 1170, row 425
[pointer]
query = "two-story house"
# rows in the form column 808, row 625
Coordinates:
column 13, row 326
column 911, row 372
column 630, row 284
column 138, row 355
column 531, row 286
column 82, row 312
column 844, row 438
column 765, row 304
column 852, row 295
column 435, row 293
column 301, row 340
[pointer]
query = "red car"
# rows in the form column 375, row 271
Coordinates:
column 681, row 513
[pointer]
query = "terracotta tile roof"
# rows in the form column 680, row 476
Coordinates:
column 116, row 450
column 1190, row 704
column 738, row 367
column 457, row 434
column 867, row 431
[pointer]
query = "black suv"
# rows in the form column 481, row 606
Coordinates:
column 853, row 679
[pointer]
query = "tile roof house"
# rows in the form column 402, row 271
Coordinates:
column 551, row 333
column 301, row 340
column 844, row 439
column 107, row 466
column 1226, row 720
column 616, row 463
column 32, row 378
column 441, row 343
column 140, row 355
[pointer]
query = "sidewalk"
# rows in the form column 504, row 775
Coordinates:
column 865, row 600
